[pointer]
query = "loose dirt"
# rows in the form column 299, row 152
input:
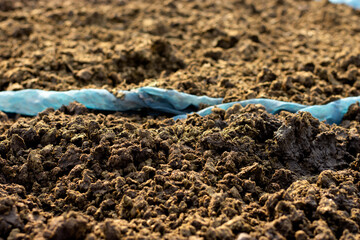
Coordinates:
column 237, row 174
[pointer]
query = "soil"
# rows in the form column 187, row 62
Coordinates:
column 237, row 174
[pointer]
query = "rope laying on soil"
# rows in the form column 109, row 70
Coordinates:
column 352, row 3
column 32, row 101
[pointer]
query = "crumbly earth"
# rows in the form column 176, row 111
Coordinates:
column 237, row 174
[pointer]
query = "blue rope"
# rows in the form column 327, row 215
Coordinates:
column 31, row 102
column 352, row 3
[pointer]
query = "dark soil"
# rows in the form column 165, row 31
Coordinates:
column 237, row 174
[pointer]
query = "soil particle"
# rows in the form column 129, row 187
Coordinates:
column 17, row 143
column 266, row 75
column 67, row 226
column 70, row 158
column 84, row 75
column 74, row 108
column 304, row 142
column 3, row 117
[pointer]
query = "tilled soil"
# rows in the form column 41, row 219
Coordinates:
column 240, row 173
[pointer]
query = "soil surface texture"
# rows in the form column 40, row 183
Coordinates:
column 238, row 174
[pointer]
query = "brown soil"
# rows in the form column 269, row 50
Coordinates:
column 240, row 173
